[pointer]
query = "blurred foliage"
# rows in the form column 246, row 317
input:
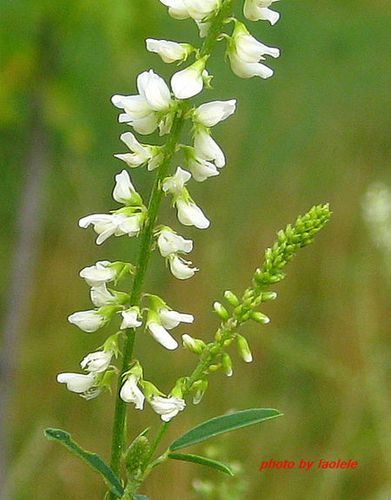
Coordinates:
column 316, row 132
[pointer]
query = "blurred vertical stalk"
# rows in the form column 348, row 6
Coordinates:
column 28, row 226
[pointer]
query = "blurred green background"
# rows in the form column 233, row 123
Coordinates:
column 316, row 132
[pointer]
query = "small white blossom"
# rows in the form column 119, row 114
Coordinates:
column 206, row 148
column 139, row 155
column 176, row 183
column 98, row 274
column 248, row 49
column 176, row 9
column 141, row 111
column 169, row 51
column 161, row 335
column 181, row 268
column 171, row 243
column 248, row 70
column 97, row 362
column 130, row 392
column 77, row 382
column 130, row 319
column 106, row 225
column 167, row 408
column 100, row 296
column 211, row 113
column 201, row 169
column 189, row 214
column 190, row 81
column 123, row 190
column 256, row 10
column 200, row 9
column 170, row 319
column 88, row 321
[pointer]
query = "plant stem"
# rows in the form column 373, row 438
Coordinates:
column 141, row 268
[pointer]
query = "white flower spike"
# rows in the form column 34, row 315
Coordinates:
column 189, row 82
column 97, row 362
column 169, row 51
column 167, row 408
column 257, row 10
column 181, row 268
column 130, row 392
column 171, row 243
column 88, row 321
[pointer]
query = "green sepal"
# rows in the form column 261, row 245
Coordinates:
column 92, row 459
column 197, row 459
column 222, row 424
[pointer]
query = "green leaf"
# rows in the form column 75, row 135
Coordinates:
column 224, row 423
column 140, row 497
column 187, row 457
column 92, row 459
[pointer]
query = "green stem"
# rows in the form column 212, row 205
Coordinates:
column 143, row 259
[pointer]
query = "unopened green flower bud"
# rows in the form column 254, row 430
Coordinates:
column 214, row 368
column 260, row 318
column 179, row 387
column 136, row 455
column 244, row 349
column 199, row 389
column 195, row 346
column 231, row 298
column 226, row 364
column 221, row 311
column 268, row 296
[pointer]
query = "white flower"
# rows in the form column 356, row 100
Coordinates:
column 171, row 319
column 88, row 321
column 106, row 225
column 161, row 335
column 189, row 82
column 248, row 49
column 180, row 268
column 130, row 319
column 167, row 408
column 141, row 111
column 140, row 154
column 201, row 169
column 77, row 382
column 169, row 51
column 97, row 362
column 176, row 183
column 98, row 274
column 100, row 296
column 248, row 70
column 200, row 9
column 176, row 9
column 211, row 113
column 170, row 243
column 189, row 214
column 256, row 10
column 123, row 190
column 130, row 393
column 206, row 148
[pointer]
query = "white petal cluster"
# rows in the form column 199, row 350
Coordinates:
column 169, row 51
column 166, row 320
column 130, row 392
column 212, row 113
column 246, row 53
column 144, row 111
column 206, row 148
column 189, row 81
column 170, row 246
column 257, row 10
column 99, row 274
column 167, row 408
column 126, row 221
column 82, row 384
column 88, row 321
column 130, row 318
column 196, row 9
column 97, row 362
column 140, row 153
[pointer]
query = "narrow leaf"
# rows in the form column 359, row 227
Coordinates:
column 224, row 423
column 92, row 459
column 140, row 497
column 187, row 457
